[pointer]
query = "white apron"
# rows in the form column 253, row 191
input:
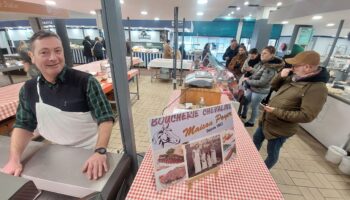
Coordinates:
column 75, row 129
column 213, row 156
column 196, row 161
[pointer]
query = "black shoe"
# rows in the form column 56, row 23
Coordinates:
column 243, row 117
column 247, row 124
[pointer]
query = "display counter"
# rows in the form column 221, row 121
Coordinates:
column 57, row 169
column 332, row 127
column 246, row 177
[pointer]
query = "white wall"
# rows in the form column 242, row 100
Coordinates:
column 24, row 34
column 92, row 33
column 135, row 36
column 287, row 30
column 3, row 41
column 75, row 33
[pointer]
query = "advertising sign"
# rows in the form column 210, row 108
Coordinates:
column 187, row 144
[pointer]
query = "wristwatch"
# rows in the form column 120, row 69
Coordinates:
column 101, row 150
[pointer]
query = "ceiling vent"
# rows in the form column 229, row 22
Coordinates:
column 254, row 5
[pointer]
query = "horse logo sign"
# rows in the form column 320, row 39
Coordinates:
column 165, row 135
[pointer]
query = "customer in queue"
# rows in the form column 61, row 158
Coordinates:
column 237, row 62
column 301, row 94
column 66, row 106
column 258, row 85
column 230, row 52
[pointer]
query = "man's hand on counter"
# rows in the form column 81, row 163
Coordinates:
column 96, row 166
column 13, row 168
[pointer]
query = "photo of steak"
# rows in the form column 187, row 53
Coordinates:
column 170, row 158
column 173, row 175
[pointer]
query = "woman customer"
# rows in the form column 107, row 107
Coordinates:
column 98, row 49
column 205, row 54
column 28, row 66
column 247, row 70
column 237, row 62
column 259, row 83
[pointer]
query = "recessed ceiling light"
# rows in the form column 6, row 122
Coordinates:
column 246, row 3
column 50, row 3
column 279, row 4
column 156, row 18
column 232, row 12
column 93, row 12
column 238, row 8
column 144, row 12
column 250, row 15
column 330, row 24
column 284, row 22
column 229, row 14
column 202, row 1
column 121, row 1
column 200, row 13
column 316, row 17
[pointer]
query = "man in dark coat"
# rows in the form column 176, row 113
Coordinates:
column 87, row 43
column 230, row 52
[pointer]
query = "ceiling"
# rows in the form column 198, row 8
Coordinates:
column 293, row 11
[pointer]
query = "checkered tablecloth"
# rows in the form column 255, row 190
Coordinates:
column 9, row 100
column 244, row 178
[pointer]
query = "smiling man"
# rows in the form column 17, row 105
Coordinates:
column 301, row 94
column 66, row 106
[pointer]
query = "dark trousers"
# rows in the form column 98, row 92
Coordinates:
column 273, row 146
column 88, row 59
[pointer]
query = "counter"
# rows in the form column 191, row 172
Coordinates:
column 331, row 127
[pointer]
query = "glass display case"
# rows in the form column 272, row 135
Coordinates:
column 339, row 83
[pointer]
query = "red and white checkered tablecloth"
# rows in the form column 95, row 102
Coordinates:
column 244, row 178
column 9, row 100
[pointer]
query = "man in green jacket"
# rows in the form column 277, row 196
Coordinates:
column 301, row 94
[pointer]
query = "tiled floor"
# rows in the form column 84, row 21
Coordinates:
column 301, row 173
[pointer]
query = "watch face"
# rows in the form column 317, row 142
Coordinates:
column 101, row 150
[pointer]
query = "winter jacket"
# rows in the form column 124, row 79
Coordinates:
column 230, row 53
column 98, row 50
column 259, row 82
column 87, row 48
column 236, row 65
column 250, row 63
column 167, row 51
column 295, row 102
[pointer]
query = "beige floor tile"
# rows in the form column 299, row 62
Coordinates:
column 311, row 193
column 341, row 185
column 331, row 177
column 334, row 199
column 330, row 193
column 318, row 180
column 293, row 197
column 303, row 182
column 288, row 189
column 344, row 193
column 282, row 176
column 297, row 174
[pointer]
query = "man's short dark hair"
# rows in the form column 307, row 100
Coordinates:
column 41, row 35
column 167, row 41
column 233, row 40
column 253, row 51
column 270, row 49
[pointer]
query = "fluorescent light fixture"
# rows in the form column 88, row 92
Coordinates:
column 238, row 8
column 121, row 1
column 50, row 3
column 330, row 24
column 93, row 12
column 144, row 12
column 156, row 18
column 284, row 22
column 317, row 17
column 246, row 3
column 279, row 4
column 202, row 1
column 200, row 13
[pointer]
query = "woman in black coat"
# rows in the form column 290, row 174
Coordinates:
column 98, row 49
column 87, row 43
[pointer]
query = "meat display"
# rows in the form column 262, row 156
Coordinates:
column 173, row 175
column 170, row 158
